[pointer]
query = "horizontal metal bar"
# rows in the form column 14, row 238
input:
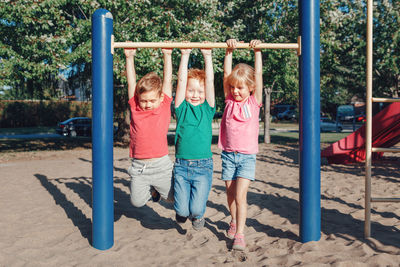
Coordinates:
column 380, row 199
column 114, row 45
column 202, row 45
column 383, row 149
column 385, row 100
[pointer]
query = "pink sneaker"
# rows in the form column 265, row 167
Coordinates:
column 238, row 242
column 232, row 230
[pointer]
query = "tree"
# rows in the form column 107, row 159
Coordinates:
column 343, row 50
column 41, row 39
column 387, row 49
column 173, row 20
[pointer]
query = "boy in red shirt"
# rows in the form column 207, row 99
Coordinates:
column 150, row 105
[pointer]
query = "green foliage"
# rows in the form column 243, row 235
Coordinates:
column 35, row 46
column 272, row 22
column 343, row 50
column 387, row 49
column 43, row 39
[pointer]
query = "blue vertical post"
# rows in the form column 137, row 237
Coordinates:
column 102, row 131
column 310, row 154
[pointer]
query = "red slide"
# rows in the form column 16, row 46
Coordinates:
column 385, row 133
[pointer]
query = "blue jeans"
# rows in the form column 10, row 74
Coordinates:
column 192, row 184
column 235, row 164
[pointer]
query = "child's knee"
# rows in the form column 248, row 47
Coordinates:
column 138, row 203
column 197, row 212
column 197, row 208
column 182, row 210
column 240, row 198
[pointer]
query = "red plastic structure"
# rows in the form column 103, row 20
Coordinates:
column 385, row 133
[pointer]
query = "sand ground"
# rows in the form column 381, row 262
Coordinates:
column 45, row 207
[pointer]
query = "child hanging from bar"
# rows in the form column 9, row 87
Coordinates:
column 194, row 109
column 150, row 101
column 238, row 136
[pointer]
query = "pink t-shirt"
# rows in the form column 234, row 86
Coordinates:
column 240, row 126
column 149, row 129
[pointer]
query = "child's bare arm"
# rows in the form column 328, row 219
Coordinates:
column 228, row 63
column 257, row 71
column 167, row 76
column 209, row 83
column 182, row 77
column 130, row 70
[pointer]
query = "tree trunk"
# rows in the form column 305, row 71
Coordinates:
column 267, row 109
column 124, row 133
column 30, row 89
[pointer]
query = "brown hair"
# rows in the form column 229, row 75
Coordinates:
column 197, row 74
column 242, row 73
column 149, row 82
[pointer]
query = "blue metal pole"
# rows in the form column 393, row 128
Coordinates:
column 310, row 154
column 102, row 131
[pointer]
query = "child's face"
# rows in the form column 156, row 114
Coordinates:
column 150, row 100
column 195, row 93
column 240, row 91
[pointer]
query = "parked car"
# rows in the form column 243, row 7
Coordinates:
column 290, row 114
column 348, row 118
column 77, row 126
column 284, row 112
column 328, row 125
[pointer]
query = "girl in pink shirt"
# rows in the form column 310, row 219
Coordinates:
column 238, row 137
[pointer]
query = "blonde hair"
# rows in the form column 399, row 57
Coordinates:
column 149, row 82
column 242, row 73
column 197, row 74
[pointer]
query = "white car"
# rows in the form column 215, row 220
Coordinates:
column 328, row 125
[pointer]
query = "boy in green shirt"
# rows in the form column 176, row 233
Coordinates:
column 193, row 170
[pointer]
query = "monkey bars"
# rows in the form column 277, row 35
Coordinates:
column 103, row 46
column 295, row 46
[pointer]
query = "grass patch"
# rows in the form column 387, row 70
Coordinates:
column 283, row 138
column 293, row 137
column 281, row 125
column 332, row 137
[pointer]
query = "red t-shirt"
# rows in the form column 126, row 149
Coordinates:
column 148, row 130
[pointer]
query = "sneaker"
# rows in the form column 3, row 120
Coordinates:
column 238, row 242
column 155, row 196
column 198, row 224
column 231, row 231
column 180, row 219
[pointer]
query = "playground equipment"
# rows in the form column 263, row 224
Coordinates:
column 308, row 49
column 368, row 140
column 385, row 134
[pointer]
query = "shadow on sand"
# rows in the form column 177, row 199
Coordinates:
column 333, row 222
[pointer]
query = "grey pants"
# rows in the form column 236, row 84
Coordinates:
column 156, row 173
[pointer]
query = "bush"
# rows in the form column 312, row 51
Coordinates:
column 15, row 114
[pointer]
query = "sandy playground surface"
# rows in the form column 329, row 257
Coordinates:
column 45, row 207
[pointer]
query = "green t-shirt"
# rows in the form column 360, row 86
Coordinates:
column 193, row 130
